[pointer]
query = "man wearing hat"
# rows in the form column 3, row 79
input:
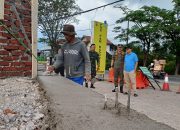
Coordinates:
column 75, row 57
column 130, row 66
column 118, row 64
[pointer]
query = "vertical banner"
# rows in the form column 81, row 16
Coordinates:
column 1, row 9
column 99, row 38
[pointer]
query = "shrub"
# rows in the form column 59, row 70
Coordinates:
column 170, row 67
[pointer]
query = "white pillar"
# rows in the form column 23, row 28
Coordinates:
column 34, row 28
column 1, row 9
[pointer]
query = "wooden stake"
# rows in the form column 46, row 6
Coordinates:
column 105, row 101
column 116, row 98
column 128, row 102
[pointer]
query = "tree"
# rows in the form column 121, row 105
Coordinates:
column 143, row 28
column 170, row 27
column 53, row 14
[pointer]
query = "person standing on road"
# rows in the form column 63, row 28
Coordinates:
column 118, row 64
column 75, row 57
column 94, row 58
column 130, row 66
column 61, row 68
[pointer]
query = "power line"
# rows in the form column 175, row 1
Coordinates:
column 90, row 29
column 78, row 13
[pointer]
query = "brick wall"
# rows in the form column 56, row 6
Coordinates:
column 14, row 59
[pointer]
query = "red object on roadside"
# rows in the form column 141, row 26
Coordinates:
column 178, row 92
column 166, row 83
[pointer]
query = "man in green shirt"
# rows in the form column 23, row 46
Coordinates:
column 118, row 64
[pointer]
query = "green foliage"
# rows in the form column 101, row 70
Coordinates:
column 170, row 67
column 52, row 15
column 156, row 31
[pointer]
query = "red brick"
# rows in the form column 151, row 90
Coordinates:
column 7, row 6
column 17, row 64
column 14, row 41
column 9, row 69
column 7, row 12
column 27, row 73
column 26, row 12
column 3, row 52
column 27, row 6
column 27, row 20
column 27, row 68
column 3, row 74
column 15, row 74
column 7, row 35
column 13, row 16
column 7, row 17
column 8, row 24
column 25, row 42
column 21, row 35
column 16, row 53
column 22, row 48
column 28, row 29
column 8, row 47
column 17, row 23
column 28, row 63
column 10, row 58
column 25, row 58
column 3, row 40
column 27, row 24
column 2, row 28
column 3, row 63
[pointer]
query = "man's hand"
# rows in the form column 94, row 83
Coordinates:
column 97, row 68
column 88, row 77
column 50, row 68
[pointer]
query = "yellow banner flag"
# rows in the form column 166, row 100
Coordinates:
column 1, row 9
column 99, row 38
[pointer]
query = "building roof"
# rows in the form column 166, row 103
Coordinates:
column 87, row 39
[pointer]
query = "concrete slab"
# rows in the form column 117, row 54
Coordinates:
column 80, row 108
column 160, row 106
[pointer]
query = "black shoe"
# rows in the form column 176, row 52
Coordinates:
column 114, row 90
column 86, row 85
column 92, row 86
column 126, row 93
column 135, row 95
column 121, row 91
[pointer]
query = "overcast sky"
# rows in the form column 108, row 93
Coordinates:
column 110, row 14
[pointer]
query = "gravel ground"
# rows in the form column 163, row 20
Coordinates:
column 23, row 105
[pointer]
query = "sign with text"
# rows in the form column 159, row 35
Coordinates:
column 99, row 38
column 1, row 9
column 146, row 72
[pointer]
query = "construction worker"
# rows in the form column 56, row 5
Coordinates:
column 118, row 64
column 94, row 58
column 75, row 57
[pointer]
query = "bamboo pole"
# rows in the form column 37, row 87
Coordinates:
column 34, row 28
